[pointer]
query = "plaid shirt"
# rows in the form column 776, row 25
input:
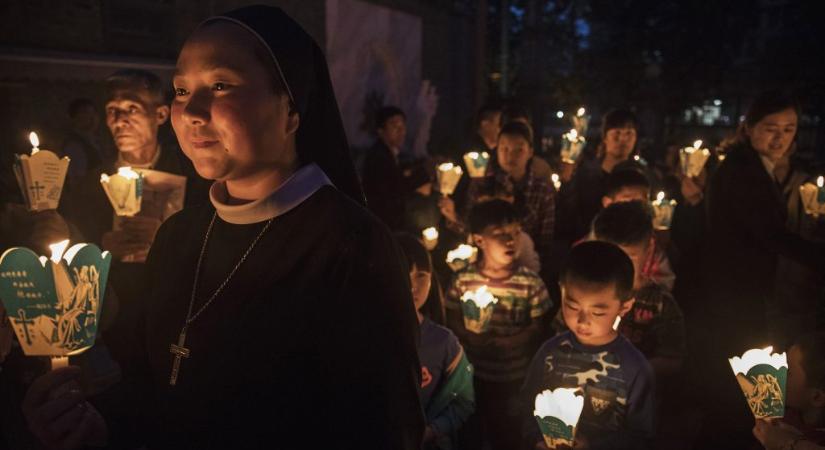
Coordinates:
column 533, row 196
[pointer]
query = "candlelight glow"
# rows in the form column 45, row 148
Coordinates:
column 463, row 251
column 473, row 155
column 446, row 167
column 128, row 173
column 617, row 322
column 481, row 297
column 820, row 181
column 660, row 196
column 57, row 250
column 580, row 112
column 572, row 135
column 697, row 144
column 562, row 403
column 430, row 233
column 35, row 142
column 756, row 356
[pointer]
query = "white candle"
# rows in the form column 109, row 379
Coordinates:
column 35, row 142
column 430, row 237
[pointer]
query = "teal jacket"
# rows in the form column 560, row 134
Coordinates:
column 450, row 407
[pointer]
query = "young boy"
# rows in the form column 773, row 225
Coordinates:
column 804, row 421
column 613, row 376
column 500, row 354
column 655, row 324
column 630, row 184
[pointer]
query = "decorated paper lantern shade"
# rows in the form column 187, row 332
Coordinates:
column 54, row 304
column 662, row 211
column 448, row 177
column 476, row 163
column 477, row 307
column 813, row 197
column 124, row 190
column 40, row 176
column 461, row 256
column 557, row 413
column 762, row 376
column 693, row 159
column 572, row 145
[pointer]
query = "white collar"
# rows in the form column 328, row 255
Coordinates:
column 297, row 188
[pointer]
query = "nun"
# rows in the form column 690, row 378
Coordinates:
column 278, row 314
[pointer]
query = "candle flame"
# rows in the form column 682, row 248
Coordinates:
column 820, row 181
column 580, row 112
column 128, row 173
column 555, row 178
column 430, row 233
column 446, row 167
column 660, row 196
column 35, row 142
column 57, row 250
column 473, row 155
column 697, row 144
column 572, row 135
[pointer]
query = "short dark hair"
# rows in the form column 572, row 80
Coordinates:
column 619, row 118
column 493, row 212
column 415, row 253
column 812, row 347
column 137, row 79
column 517, row 129
column 514, row 112
column 79, row 104
column 487, row 112
column 385, row 113
column 625, row 178
column 599, row 264
column 770, row 102
column 624, row 223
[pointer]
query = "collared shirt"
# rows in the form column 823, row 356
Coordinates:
column 297, row 188
column 533, row 195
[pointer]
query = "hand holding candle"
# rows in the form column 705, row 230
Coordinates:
column 557, row 413
column 761, row 375
column 40, row 176
column 477, row 307
column 448, row 176
column 662, row 212
column 693, row 159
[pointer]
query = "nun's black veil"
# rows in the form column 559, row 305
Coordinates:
column 303, row 68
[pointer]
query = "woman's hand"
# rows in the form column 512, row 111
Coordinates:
column 447, row 207
column 59, row 415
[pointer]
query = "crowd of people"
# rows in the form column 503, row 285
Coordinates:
column 312, row 312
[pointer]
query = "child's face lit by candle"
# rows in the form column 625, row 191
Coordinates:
column 227, row 115
column 499, row 244
column 420, row 281
column 513, row 154
column 590, row 311
column 772, row 136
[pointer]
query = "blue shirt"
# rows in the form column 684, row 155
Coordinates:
column 437, row 352
column 617, row 383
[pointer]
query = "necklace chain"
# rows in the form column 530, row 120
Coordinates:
column 191, row 317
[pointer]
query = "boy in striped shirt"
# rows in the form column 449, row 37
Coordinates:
column 503, row 351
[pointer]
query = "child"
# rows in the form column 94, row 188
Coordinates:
column 804, row 423
column 630, row 184
column 613, row 376
column 446, row 375
column 502, row 353
column 655, row 324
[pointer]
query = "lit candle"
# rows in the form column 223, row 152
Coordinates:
column 477, row 307
column 556, row 181
column 762, row 375
column 476, row 163
column 580, row 112
column 461, row 256
column 572, row 145
column 124, row 190
column 448, row 176
column 663, row 211
column 557, row 413
column 693, row 159
column 35, row 142
column 430, row 237
column 820, row 187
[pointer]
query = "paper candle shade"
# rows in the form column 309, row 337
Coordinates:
column 813, row 197
column 125, row 190
column 557, row 413
column 448, row 176
column 476, row 163
column 40, row 176
column 662, row 212
column 54, row 304
column 762, row 375
column 430, row 236
column 461, row 256
column 477, row 307
column 693, row 159
column 581, row 121
column 572, row 145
